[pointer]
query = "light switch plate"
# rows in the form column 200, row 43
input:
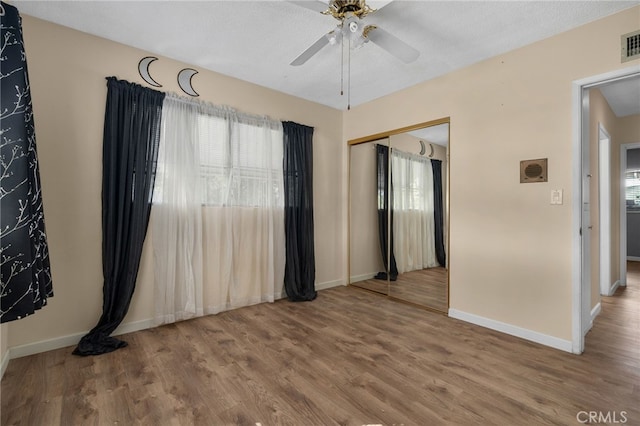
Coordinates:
column 556, row 196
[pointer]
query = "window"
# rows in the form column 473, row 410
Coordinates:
column 632, row 186
column 239, row 157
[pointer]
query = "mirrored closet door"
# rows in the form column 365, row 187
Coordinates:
column 368, row 218
column 399, row 214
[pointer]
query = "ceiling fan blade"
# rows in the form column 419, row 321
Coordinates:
column 314, row 5
column 307, row 54
column 378, row 4
column 391, row 44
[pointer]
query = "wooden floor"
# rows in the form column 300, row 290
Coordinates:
column 348, row 358
column 425, row 287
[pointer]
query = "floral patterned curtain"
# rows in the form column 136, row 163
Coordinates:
column 24, row 256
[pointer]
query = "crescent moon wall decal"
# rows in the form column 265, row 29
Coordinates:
column 143, row 69
column 184, row 81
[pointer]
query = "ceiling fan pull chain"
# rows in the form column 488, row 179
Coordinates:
column 349, row 77
column 342, row 63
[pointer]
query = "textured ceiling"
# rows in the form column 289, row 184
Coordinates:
column 623, row 96
column 257, row 40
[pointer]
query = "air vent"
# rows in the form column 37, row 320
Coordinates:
column 630, row 46
column 533, row 171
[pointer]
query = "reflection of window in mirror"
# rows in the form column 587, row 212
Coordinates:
column 397, row 216
column 632, row 188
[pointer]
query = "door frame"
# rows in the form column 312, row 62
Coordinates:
column 604, row 208
column 623, row 210
column 580, row 282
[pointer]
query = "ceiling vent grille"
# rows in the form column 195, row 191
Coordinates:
column 630, row 46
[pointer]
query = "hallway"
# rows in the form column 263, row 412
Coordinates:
column 616, row 331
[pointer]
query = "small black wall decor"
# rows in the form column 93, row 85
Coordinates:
column 184, row 81
column 184, row 76
column 423, row 149
column 143, row 69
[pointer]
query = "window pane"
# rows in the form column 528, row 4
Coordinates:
column 241, row 162
column 213, row 134
column 633, row 188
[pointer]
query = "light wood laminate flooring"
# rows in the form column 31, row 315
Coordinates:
column 348, row 358
column 425, row 287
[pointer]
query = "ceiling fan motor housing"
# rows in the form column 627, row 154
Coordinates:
column 339, row 9
column 349, row 13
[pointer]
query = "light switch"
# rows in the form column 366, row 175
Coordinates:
column 556, row 196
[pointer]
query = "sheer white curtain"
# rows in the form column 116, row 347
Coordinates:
column 218, row 216
column 413, row 212
column 243, row 220
column 176, row 215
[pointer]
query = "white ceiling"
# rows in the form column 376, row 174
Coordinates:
column 257, row 40
column 623, row 96
column 438, row 134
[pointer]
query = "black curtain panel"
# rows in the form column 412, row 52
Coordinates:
column 26, row 273
column 385, row 198
column 438, row 206
column 130, row 151
column 300, row 268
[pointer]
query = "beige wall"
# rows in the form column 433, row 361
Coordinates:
column 629, row 129
column 364, row 243
column 69, row 90
column 600, row 113
column 510, row 250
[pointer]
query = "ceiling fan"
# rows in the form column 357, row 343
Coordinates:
column 351, row 13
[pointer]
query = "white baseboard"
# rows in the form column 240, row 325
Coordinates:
column 594, row 313
column 362, row 277
column 329, row 284
column 73, row 339
column 633, row 258
column 523, row 333
column 318, row 286
column 614, row 287
column 5, row 362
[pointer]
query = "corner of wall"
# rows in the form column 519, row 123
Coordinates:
column 4, row 348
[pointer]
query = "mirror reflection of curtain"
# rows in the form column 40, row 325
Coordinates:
column 413, row 212
column 384, row 200
column 438, row 212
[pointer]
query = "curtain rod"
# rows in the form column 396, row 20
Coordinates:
column 225, row 108
column 202, row 103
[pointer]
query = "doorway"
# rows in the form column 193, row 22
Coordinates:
column 585, row 203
